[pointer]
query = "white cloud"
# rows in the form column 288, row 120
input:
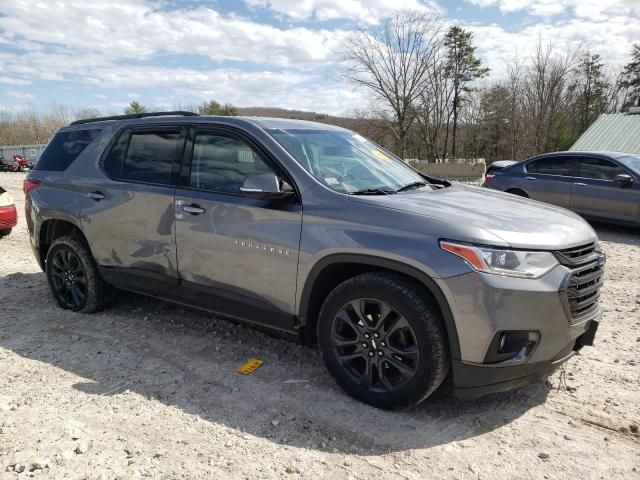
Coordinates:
column 364, row 11
column 610, row 39
column 139, row 29
column 125, row 46
column 20, row 95
column 14, row 80
column 587, row 9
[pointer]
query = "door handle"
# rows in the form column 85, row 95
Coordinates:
column 97, row 196
column 530, row 178
column 580, row 184
column 193, row 209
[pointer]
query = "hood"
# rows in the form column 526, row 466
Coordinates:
column 519, row 222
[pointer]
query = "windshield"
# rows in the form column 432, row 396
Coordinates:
column 346, row 162
column 632, row 162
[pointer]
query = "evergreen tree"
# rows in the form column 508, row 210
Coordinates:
column 590, row 89
column 212, row 107
column 135, row 107
column 463, row 67
column 631, row 74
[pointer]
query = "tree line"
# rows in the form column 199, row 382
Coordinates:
column 431, row 96
column 429, row 89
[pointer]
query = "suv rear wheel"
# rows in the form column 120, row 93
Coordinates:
column 383, row 341
column 73, row 276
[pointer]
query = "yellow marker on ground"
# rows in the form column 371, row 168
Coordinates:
column 249, row 366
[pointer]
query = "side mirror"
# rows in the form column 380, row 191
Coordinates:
column 623, row 179
column 266, row 186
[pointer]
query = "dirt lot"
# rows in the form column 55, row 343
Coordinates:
column 147, row 389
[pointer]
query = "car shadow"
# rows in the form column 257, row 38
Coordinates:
column 187, row 359
column 626, row 235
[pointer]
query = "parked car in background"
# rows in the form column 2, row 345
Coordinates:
column 8, row 213
column 314, row 231
column 597, row 185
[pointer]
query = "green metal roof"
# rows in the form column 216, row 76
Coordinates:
column 612, row 132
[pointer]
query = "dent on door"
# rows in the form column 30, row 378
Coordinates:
column 245, row 250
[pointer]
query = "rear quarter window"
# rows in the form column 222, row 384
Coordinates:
column 64, row 148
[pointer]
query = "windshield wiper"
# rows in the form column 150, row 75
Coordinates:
column 371, row 191
column 412, row 185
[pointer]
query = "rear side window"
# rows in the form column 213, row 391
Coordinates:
column 552, row 166
column 64, row 148
column 145, row 156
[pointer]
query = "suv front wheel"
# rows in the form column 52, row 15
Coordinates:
column 382, row 340
column 73, row 276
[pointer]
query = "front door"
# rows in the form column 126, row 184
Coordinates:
column 596, row 194
column 236, row 255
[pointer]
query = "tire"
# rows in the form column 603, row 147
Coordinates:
column 414, row 359
column 5, row 232
column 518, row 192
column 73, row 276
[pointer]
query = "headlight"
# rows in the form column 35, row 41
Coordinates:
column 514, row 263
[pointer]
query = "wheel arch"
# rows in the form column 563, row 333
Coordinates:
column 518, row 191
column 55, row 227
column 334, row 269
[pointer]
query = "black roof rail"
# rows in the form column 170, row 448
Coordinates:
column 135, row 115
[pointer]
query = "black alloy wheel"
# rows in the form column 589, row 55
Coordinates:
column 375, row 345
column 74, row 277
column 382, row 339
column 68, row 279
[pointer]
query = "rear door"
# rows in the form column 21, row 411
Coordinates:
column 596, row 194
column 237, row 255
column 549, row 179
column 131, row 222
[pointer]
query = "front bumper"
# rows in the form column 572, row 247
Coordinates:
column 474, row 380
column 483, row 306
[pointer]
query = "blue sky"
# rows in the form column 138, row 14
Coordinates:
column 284, row 53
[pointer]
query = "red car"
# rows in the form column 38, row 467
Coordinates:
column 8, row 213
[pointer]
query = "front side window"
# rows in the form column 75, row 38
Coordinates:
column 632, row 162
column 598, row 169
column 145, row 156
column 552, row 166
column 346, row 162
column 222, row 164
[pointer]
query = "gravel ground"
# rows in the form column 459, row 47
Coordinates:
column 148, row 389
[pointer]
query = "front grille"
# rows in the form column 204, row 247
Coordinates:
column 583, row 288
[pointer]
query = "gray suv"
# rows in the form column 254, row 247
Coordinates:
column 316, row 232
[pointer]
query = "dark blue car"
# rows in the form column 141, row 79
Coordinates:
column 597, row 185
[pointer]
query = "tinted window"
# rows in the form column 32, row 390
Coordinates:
column 64, row 148
column 222, row 163
column 598, row 168
column 551, row 166
column 150, row 156
column 114, row 162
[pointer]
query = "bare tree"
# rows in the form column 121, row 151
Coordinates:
column 393, row 61
column 545, row 87
column 434, row 106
